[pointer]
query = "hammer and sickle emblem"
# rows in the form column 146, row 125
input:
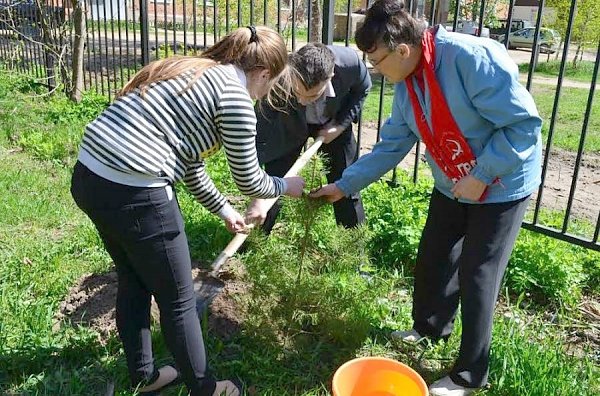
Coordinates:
column 456, row 150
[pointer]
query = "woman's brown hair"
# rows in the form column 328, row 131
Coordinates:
column 249, row 48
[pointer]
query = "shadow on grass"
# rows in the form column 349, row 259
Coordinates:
column 269, row 363
column 429, row 359
column 78, row 367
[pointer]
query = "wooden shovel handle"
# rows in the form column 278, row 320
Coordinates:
column 239, row 238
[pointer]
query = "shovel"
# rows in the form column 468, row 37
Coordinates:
column 211, row 286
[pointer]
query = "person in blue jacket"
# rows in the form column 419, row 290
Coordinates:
column 459, row 94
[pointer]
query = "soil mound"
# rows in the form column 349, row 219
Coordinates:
column 91, row 303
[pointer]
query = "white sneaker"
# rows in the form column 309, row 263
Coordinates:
column 411, row 336
column 447, row 387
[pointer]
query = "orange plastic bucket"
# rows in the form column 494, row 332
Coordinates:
column 377, row 376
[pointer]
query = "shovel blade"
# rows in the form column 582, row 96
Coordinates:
column 206, row 291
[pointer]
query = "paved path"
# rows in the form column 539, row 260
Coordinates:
column 544, row 80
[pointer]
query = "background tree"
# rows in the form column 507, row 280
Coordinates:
column 315, row 20
column 586, row 30
column 586, row 26
column 470, row 9
column 78, row 47
column 48, row 25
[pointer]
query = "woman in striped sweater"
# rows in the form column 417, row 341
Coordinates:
column 171, row 116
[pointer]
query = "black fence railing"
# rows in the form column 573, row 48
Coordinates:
column 37, row 36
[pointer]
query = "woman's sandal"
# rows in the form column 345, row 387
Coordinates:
column 226, row 388
column 165, row 377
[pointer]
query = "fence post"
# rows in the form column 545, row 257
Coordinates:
column 145, row 37
column 50, row 65
column 328, row 18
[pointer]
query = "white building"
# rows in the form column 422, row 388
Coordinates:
column 527, row 10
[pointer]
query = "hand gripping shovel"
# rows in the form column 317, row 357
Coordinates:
column 211, row 286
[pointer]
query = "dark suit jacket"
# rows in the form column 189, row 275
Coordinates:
column 278, row 133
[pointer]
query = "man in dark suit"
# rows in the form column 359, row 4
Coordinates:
column 330, row 86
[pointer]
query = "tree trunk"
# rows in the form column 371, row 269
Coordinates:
column 316, row 21
column 575, row 58
column 583, row 31
column 78, row 47
column 48, row 45
column 557, row 53
column 443, row 10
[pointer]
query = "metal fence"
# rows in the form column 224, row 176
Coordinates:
column 36, row 37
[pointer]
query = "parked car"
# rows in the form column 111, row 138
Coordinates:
column 548, row 41
column 516, row 24
column 467, row 27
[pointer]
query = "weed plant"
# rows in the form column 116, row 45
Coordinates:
column 397, row 225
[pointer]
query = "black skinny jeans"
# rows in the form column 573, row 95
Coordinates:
column 142, row 230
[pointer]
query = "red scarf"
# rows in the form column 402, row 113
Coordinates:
column 446, row 143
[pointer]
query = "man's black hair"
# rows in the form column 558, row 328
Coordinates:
column 314, row 63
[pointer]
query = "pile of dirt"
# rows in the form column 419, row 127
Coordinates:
column 91, row 303
column 226, row 312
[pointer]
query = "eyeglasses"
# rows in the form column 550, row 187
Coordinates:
column 375, row 64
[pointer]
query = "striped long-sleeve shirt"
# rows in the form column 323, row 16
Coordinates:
column 165, row 136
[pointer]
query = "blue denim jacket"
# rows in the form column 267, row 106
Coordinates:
column 493, row 110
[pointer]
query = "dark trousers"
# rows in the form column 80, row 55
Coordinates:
column 462, row 256
column 142, row 230
column 340, row 153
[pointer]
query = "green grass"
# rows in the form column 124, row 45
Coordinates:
column 370, row 112
column 569, row 120
column 298, row 325
column 568, row 124
column 529, row 358
column 583, row 72
column 46, row 245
